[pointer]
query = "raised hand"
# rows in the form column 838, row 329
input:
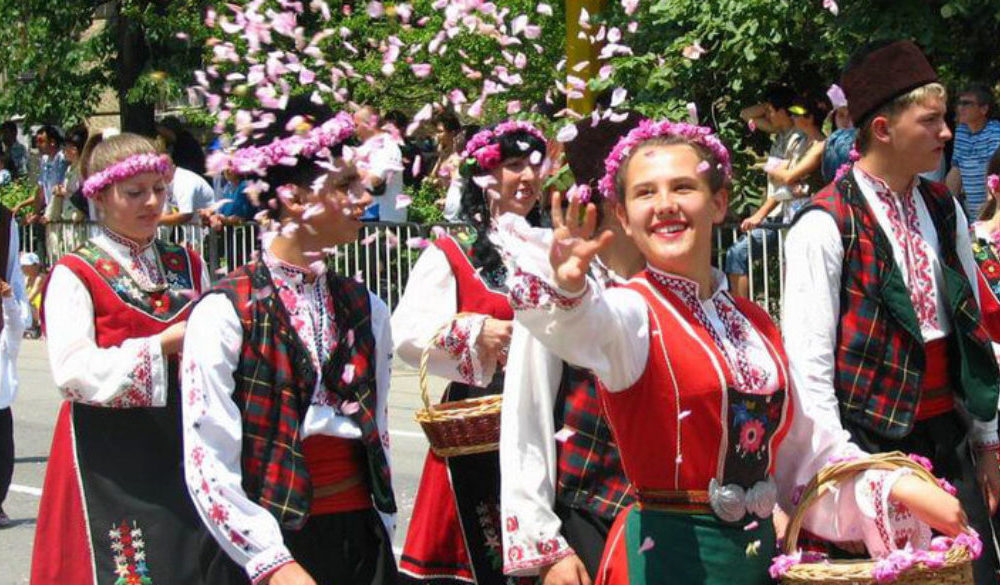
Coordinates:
column 573, row 243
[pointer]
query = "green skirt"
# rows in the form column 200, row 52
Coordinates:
column 687, row 549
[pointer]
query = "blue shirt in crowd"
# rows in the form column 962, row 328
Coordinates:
column 972, row 155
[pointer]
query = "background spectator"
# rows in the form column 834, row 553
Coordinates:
column 789, row 144
column 51, row 171
column 183, row 147
column 15, row 151
column 976, row 138
column 5, row 176
column 452, row 202
column 381, row 167
column 34, row 279
column 189, row 194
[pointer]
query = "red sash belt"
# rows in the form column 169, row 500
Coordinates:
column 336, row 469
column 937, row 395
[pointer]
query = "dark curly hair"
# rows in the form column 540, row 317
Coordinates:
column 475, row 208
column 306, row 170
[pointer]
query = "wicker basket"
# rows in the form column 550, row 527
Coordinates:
column 459, row 427
column 957, row 569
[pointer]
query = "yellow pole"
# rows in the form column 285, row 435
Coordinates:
column 579, row 50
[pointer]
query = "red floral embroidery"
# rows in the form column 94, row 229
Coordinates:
column 512, row 524
column 108, row 268
column 905, row 227
column 752, row 436
column 139, row 389
column 528, row 291
column 456, row 341
column 129, row 551
column 160, row 302
column 173, row 260
column 749, row 377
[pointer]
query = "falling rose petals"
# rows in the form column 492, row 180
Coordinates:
column 692, row 110
column 647, row 545
column 359, row 277
column 630, row 6
column 618, row 97
column 438, row 232
column 535, row 158
column 567, row 133
column 369, row 239
column 417, row 162
column 693, row 51
column 349, row 408
column 751, row 125
column 564, row 434
column 375, row 10
column 837, row 97
column 417, row 243
column 484, row 181
column 831, row 5
column 348, row 376
column 703, row 167
column 544, row 9
column 403, row 201
column 584, row 20
column 513, row 107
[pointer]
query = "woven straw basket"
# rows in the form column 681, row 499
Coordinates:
column 459, row 427
column 957, row 569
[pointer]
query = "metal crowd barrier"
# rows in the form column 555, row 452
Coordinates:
column 382, row 256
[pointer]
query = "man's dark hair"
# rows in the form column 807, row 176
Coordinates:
column 449, row 121
column 983, row 95
column 50, row 133
column 398, row 119
column 780, row 97
column 77, row 136
column 9, row 126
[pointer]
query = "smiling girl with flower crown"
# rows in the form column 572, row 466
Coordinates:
column 695, row 382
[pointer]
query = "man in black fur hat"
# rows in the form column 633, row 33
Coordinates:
column 881, row 316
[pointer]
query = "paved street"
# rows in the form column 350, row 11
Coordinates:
column 34, row 417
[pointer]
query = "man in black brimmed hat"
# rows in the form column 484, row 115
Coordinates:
column 881, row 318
column 559, row 504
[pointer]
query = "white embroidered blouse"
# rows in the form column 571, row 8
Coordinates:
column 429, row 303
column 528, row 454
column 814, row 256
column 213, row 427
column 131, row 374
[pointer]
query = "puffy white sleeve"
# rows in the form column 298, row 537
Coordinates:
column 426, row 316
column 528, row 458
column 213, row 433
column 814, row 256
column 606, row 332
column 382, row 331
column 133, row 374
column 859, row 509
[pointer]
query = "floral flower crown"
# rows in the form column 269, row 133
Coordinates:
column 284, row 151
column 649, row 129
column 125, row 169
column 483, row 150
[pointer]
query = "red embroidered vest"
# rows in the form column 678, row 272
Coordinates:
column 275, row 380
column 880, row 355
column 682, row 423
column 121, row 309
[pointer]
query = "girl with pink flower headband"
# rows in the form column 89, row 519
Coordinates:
column 294, row 485
column 455, row 307
column 115, row 312
column 695, row 382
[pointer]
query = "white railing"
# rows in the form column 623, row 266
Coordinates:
column 381, row 256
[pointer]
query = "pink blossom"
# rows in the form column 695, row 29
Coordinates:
column 488, row 157
column 630, row 6
column 375, row 9
column 693, row 51
column 993, row 183
column 831, row 5
column 421, row 70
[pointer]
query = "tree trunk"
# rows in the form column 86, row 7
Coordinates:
column 133, row 52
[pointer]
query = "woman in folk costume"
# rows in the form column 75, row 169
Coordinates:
column 456, row 302
column 114, row 507
column 985, row 235
column 562, row 484
column 286, row 377
column 695, row 383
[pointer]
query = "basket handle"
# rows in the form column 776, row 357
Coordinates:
column 425, row 356
column 830, row 475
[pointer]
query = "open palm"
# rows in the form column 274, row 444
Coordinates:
column 573, row 243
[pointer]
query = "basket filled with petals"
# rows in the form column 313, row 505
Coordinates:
column 948, row 561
